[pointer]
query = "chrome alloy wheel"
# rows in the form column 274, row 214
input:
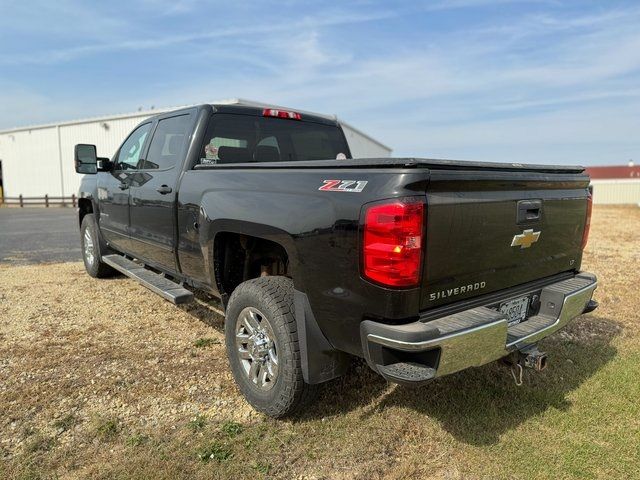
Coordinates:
column 256, row 347
column 88, row 247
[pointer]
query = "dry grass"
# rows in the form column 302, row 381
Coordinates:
column 102, row 379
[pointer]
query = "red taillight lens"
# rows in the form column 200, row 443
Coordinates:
column 272, row 112
column 587, row 223
column 392, row 246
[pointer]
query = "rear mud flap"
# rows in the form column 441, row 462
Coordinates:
column 320, row 361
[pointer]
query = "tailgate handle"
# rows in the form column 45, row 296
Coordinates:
column 529, row 211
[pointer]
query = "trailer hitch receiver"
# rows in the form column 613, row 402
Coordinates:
column 533, row 358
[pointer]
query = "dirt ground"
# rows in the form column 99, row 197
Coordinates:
column 103, row 379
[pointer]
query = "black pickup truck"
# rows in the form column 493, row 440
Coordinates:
column 423, row 267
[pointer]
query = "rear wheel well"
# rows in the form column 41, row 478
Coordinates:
column 84, row 207
column 238, row 258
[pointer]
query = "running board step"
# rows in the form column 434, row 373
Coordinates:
column 153, row 281
column 407, row 373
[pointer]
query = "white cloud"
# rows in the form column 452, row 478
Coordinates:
column 539, row 88
column 62, row 19
column 461, row 4
column 148, row 42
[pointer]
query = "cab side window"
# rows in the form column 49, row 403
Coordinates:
column 168, row 142
column 131, row 150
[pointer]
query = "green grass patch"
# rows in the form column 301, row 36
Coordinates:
column 215, row 451
column 231, row 429
column 197, row 423
column 262, row 467
column 107, row 429
column 205, row 342
column 137, row 440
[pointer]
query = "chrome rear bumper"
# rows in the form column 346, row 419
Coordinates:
column 470, row 338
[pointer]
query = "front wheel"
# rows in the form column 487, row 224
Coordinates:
column 263, row 349
column 93, row 249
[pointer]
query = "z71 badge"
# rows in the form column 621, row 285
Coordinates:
column 343, row 186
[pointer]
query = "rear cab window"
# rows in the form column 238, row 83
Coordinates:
column 237, row 138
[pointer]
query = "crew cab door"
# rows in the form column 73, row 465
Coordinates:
column 114, row 186
column 153, row 191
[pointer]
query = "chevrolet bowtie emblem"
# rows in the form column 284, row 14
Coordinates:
column 525, row 239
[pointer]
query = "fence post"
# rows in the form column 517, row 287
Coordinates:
column 21, row 202
column 73, row 200
column 46, row 200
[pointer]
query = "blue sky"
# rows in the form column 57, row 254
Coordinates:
column 538, row 81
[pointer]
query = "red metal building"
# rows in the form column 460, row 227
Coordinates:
column 611, row 172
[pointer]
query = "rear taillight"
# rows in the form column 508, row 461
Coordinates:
column 392, row 243
column 272, row 112
column 587, row 222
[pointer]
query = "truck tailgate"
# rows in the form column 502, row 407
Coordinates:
column 489, row 230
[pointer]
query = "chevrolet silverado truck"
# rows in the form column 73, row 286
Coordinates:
column 422, row 267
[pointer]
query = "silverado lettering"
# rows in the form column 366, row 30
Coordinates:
column 456, row 291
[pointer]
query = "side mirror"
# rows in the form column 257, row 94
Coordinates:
column 86, row 159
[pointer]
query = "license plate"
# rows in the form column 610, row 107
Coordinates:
column 515, row 310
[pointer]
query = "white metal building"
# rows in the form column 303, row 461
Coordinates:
column 38, row 160
column 615, row 184
column 616, row 192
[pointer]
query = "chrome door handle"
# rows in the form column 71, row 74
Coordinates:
column 164, row 189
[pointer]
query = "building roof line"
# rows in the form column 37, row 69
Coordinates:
column 103, row 118
column 155, row 111
column 116, row 116
column 360, row 132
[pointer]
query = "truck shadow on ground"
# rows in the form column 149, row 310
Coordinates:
column 478, row 405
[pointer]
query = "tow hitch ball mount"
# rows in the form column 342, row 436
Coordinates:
column 529, row 357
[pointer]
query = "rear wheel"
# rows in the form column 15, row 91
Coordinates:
column 93, row 248
column 263, row 348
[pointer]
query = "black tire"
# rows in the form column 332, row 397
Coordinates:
column 273, row 297
column 94, row 266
